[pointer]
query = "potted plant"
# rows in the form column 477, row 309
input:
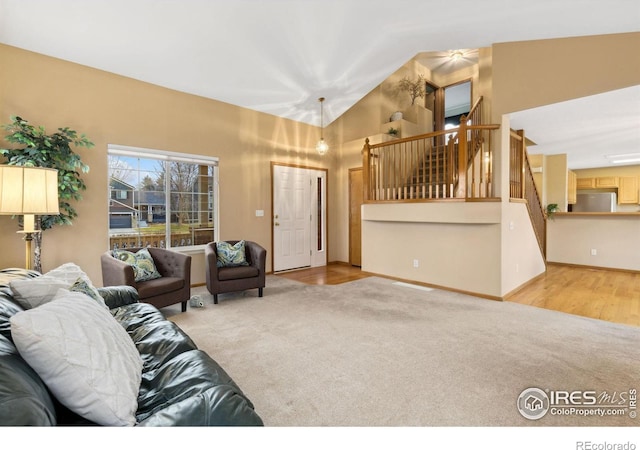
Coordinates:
column 36, row 148
column 551, row 209
column 392, row 131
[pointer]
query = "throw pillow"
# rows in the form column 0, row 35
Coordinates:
column 144, row 268
column 84, row 356
column 85, row 288
column 231, row 255
column 33, row 292
column 69, row 273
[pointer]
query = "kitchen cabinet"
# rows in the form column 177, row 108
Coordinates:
column 572, row 188
column 628, row 190
column 586, row 183
column 606, row 182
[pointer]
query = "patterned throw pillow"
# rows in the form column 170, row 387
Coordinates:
column 144, row 268
column 231, row 255
column 82, row 286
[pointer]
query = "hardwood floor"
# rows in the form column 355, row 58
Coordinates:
column 601, row 294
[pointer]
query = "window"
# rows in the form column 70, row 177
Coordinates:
column 161, row 199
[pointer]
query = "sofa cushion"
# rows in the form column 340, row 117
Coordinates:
column 156, row 338
column 231, row 255
column 159, row 286
column 83, row 355
column 192, row 389
column 236, row 273
column 24, row 399
column 144, row 268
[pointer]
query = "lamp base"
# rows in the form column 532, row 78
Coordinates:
column 28, row 237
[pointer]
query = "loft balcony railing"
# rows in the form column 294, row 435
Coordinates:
column 443, row 165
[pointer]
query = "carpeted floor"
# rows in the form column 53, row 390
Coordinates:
column 375, row 353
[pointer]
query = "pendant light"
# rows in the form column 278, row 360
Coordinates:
column 322, row 147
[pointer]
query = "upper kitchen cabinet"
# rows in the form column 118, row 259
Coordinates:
column 628, row 190
column 606, row 182
column 572, row 188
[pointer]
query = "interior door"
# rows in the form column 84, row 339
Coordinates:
column 291, row 218
column 356, row 199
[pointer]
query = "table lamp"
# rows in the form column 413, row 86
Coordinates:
column 28, row 191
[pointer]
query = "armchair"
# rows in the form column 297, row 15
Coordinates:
column 232, row 279
column 174, row 286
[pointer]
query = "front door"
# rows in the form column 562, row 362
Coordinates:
column 299, row 217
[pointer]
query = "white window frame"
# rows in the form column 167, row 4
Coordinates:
column 164, row 155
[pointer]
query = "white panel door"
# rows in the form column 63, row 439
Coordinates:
column 291, row 218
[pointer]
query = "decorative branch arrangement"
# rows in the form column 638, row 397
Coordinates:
column 415, row 88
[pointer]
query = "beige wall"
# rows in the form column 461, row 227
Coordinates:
column 457, row 245
column 522, row 259
column 537, row 73
column 556, row 181
column 613, row 236
column 111, row 109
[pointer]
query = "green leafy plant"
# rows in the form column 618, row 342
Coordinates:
column 551, row 209
column 392, row 131
column 35, row 148
column 415, row 88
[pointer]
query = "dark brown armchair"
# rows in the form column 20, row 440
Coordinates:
column 232, row 279
column 173, row 287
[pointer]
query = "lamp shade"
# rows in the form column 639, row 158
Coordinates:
column 28, row 190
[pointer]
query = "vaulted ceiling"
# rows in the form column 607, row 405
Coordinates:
column 280, row 56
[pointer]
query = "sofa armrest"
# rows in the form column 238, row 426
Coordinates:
column 211, row 260
column 116, row 272
column 116, row 296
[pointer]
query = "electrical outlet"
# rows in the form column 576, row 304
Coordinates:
column 594, row 252
column 416, row 263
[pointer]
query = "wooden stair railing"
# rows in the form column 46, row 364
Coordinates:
column 454, row 163
column 522, row 187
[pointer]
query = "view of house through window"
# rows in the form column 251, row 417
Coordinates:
column 161, row 199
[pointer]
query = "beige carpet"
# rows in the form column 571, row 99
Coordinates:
column 374, row 353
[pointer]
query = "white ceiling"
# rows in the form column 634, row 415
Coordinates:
column 591, row 131
column 280, row 56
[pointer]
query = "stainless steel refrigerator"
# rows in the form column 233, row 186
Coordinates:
column 595, row 202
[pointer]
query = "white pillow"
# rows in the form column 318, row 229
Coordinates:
column 33, row 292
column 83, row 355
column 68, row 272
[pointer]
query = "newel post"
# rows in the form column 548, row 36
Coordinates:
column 463, row 159
column 366, row 153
